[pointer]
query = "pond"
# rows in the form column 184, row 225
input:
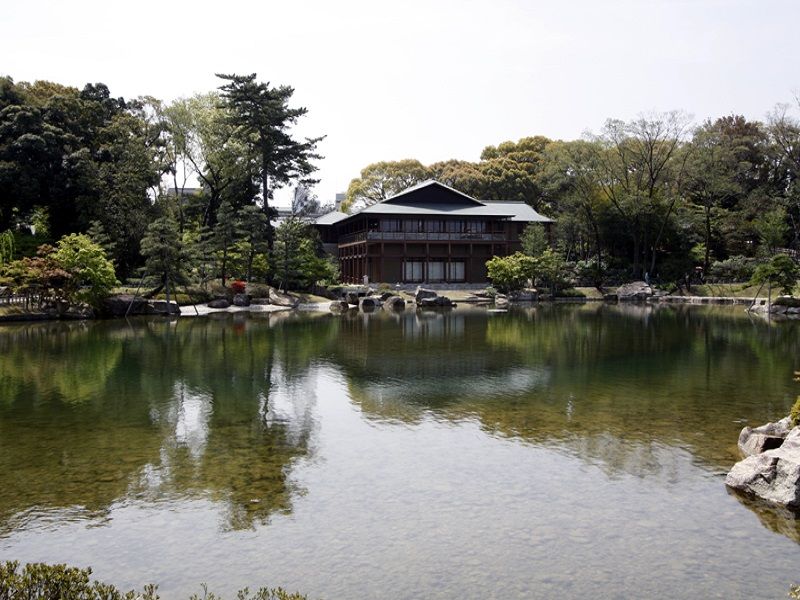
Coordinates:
column 552, row 451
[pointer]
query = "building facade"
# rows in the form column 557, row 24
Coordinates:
column 429, row 233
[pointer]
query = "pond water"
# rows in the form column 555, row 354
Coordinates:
column 555, row 451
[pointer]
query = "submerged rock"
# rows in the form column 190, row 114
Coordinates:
column 370, row 303
column 773, row 475
column 755, row 440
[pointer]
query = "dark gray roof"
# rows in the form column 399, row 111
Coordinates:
column 401, row 206
column 330, row 218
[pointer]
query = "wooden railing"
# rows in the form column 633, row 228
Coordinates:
column 404, row 236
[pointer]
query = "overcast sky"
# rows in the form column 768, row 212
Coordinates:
column 426, row 80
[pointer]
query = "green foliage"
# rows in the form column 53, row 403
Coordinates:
column 534, row 239
column 781, row 271
column 382, row 180
column 772, row 228
column 59, row 582
column 39, row 580
column 794, row 413
column 734, row 269
column 6, row 246
column 91, row 274
column 510, row 273
column 296, row 258
column 165, row 254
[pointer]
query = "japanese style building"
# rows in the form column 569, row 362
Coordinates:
column 429, row 233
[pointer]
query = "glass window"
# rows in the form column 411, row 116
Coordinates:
column 390, row 225
column 436, row 270
column 412, row 270
column 434, row 226
column 455, row 226
column 455, row 270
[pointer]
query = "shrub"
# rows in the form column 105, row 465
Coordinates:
column 238, row 286
column 794, row 414
column 734, row 269
column 781, row 271
column 39, row 580
column 510, row 273
column 571, row 293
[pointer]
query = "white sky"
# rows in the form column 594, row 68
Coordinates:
column 426, row 80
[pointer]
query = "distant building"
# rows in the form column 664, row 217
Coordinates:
column 429, row 233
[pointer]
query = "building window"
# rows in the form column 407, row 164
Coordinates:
column 476, row 226
column 412, row 226
column 436, row 270
column 455, row 226
column 455, row 270
column 390, row 225
column 412, row 271
column 434, row 226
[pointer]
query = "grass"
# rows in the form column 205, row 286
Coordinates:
column 736, row 290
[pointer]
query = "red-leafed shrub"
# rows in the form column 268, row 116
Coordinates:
column 238, row 286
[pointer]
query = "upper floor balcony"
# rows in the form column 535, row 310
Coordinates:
column 403, row 236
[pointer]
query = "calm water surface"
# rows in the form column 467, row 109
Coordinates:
column 570, row 451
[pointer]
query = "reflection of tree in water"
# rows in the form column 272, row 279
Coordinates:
column 181, row 410
column 612, row 385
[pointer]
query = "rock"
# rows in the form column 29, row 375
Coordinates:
column 523, row 296
column 162, row 307
column 339, row 306
column 501, row 301
column 755, row 440
column 435, row 302
column 117, row 306
column 370, row 303
column 219, row 303
column 259, row 301
column 422, row 293
column 778, row 309
column 394, row 303
column 636, row 291
column 241, row 300
column 384, row 296
column 773, row 475
column 610, row 298
column 282, row 299
column 788, row 301
column 352, row 298
column 78, row 311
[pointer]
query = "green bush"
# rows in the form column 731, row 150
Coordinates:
column 734, row 269
column 794, row 414
column 39, row 581
column 571, row 293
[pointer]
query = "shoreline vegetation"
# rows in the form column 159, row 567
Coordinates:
column 44, row 581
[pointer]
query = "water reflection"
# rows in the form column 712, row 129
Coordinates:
column 92, row 413
column 224, row 408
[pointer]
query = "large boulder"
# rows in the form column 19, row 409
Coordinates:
column 636, row 291
column 219, row 303
column 773, row 475
column 370, row 303
column 162, row 307
column 435, row 302
column 394, row 303
column 241, row 300
column 282, row 299
column 755, row 440
column 339, row 306
column 352, row 297
column 501, row 301
column 423, row 293
column 117, row 306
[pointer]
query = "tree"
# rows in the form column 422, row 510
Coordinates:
column 6, row 246
column 772, row 228
column 263, row 118
column 534, row 239
column 510, row 273
column 165, row 254
column 91, row 274
column 226, row 233
column 382, row 180
column 296, row 258
column 781, row 271
column 639, row 176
